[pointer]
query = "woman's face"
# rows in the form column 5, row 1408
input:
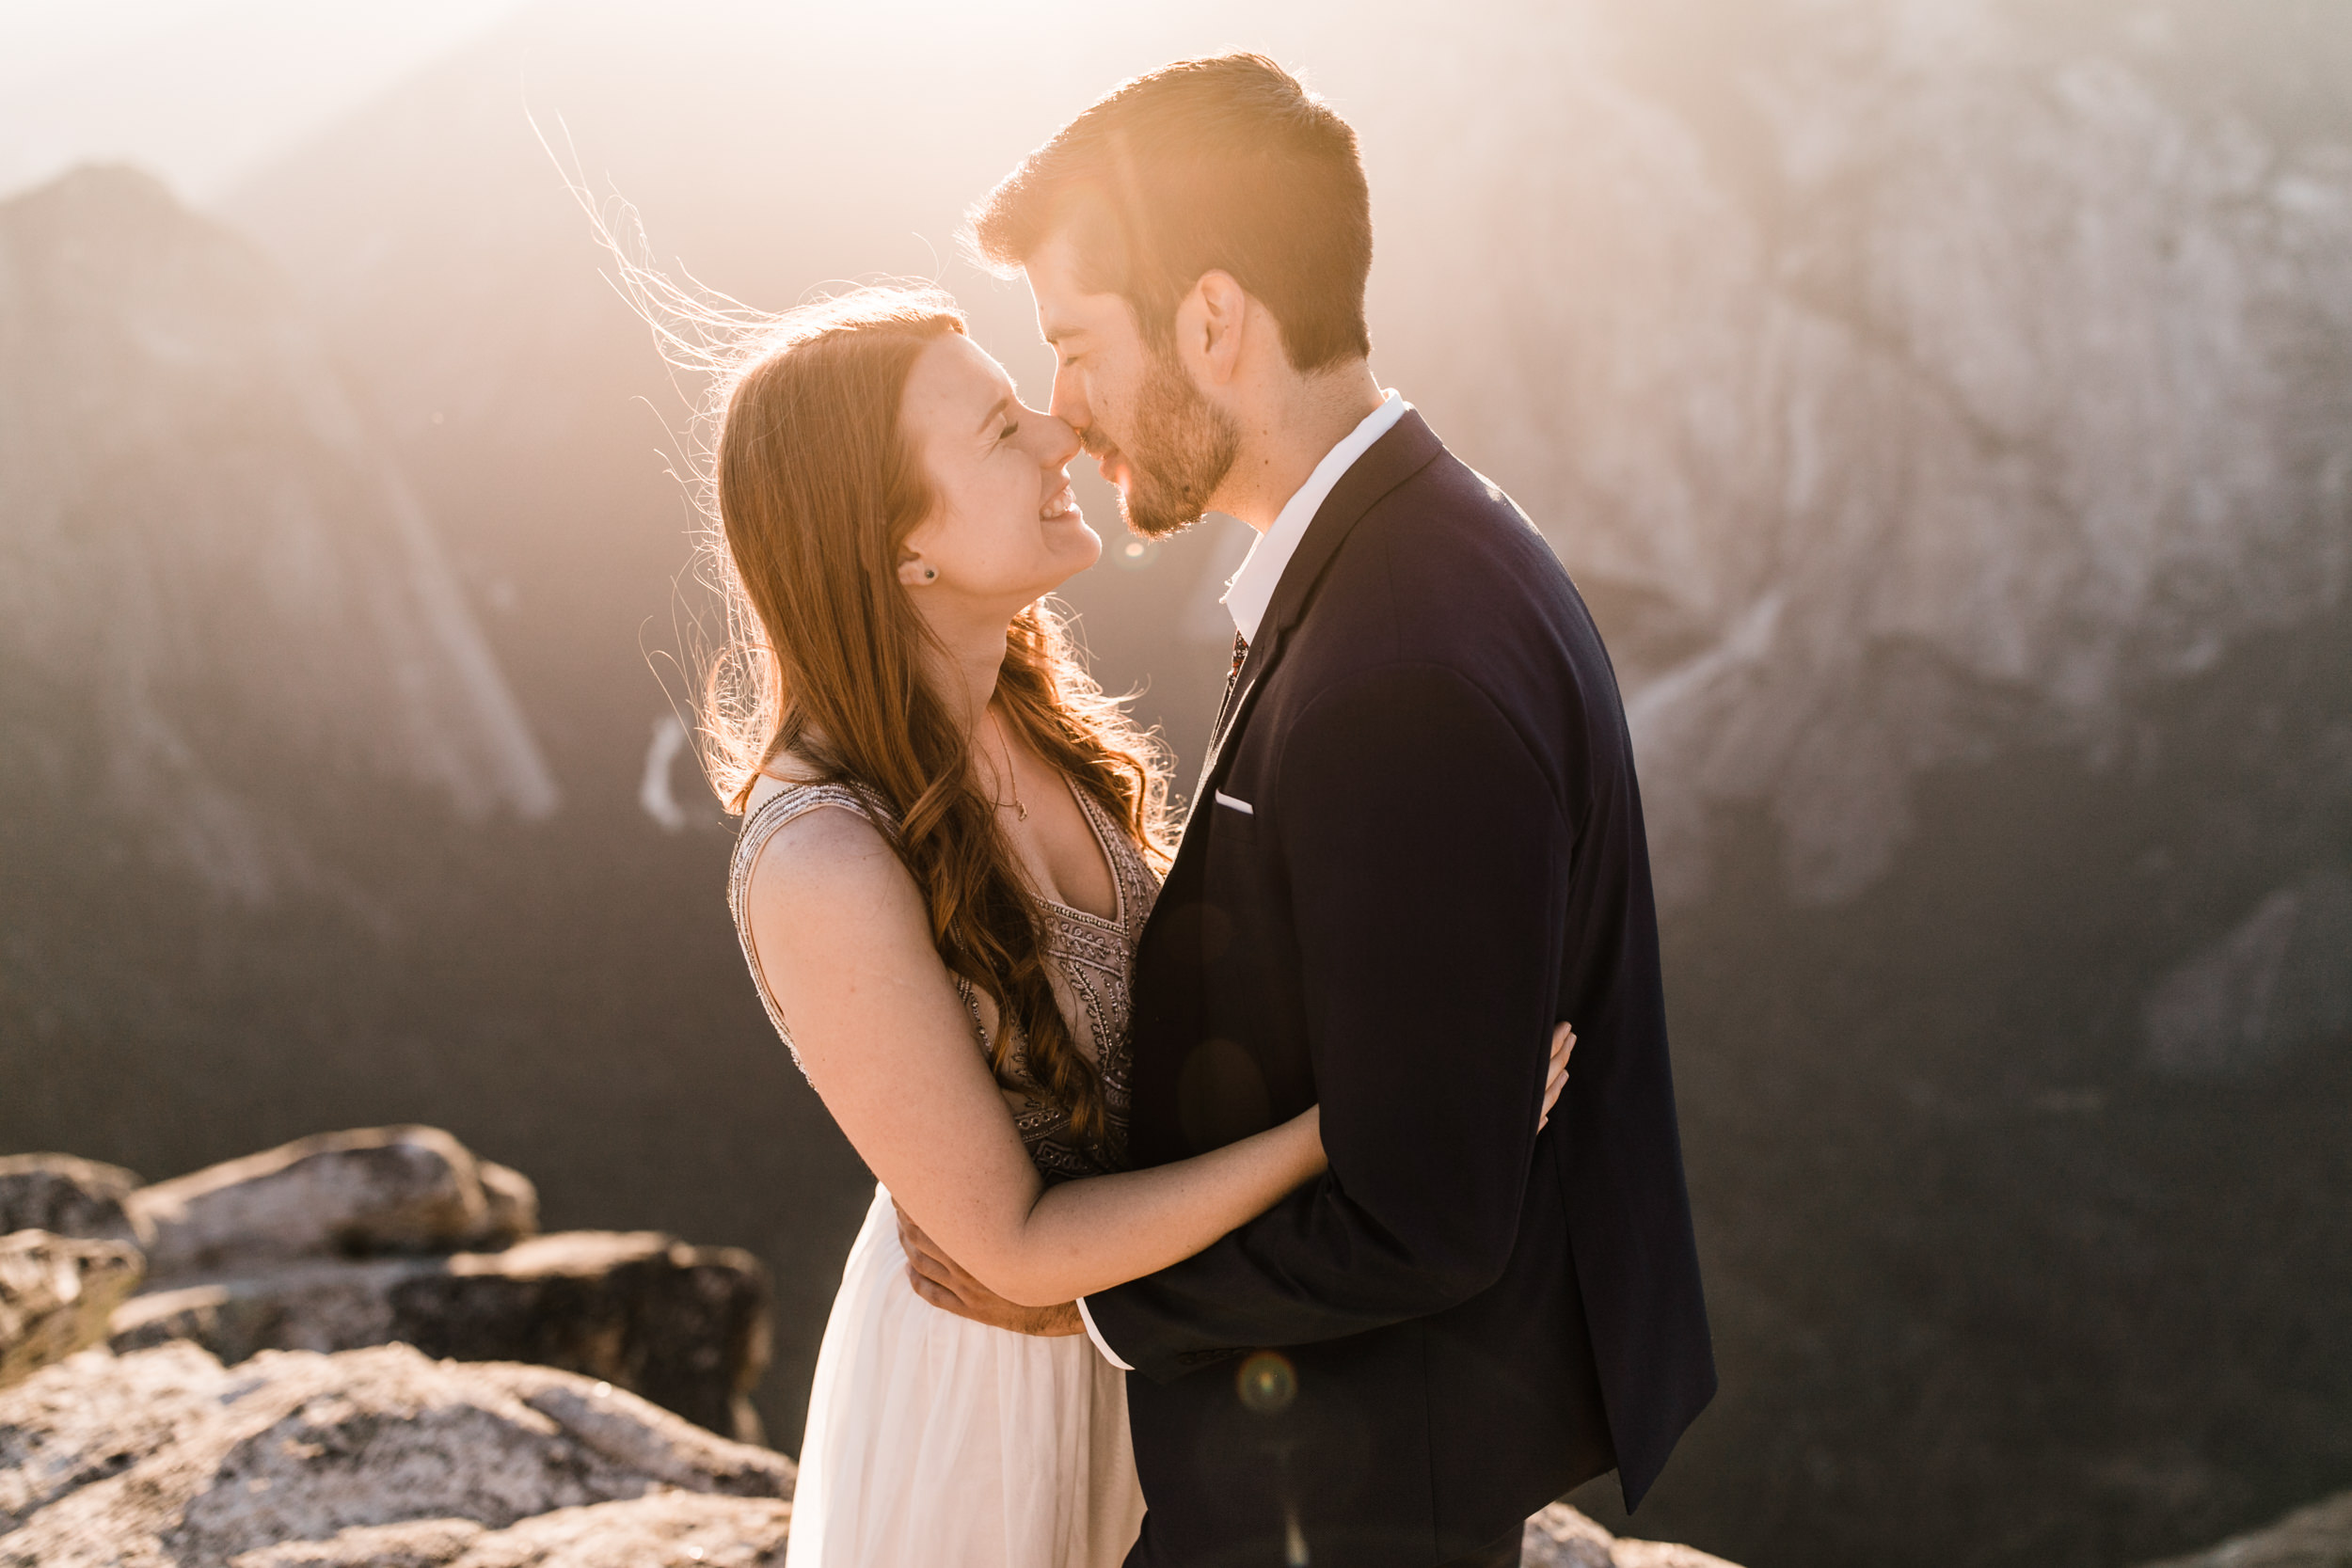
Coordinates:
column 1005, row 529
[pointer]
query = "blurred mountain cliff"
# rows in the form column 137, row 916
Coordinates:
column 216, row 583
column 281, row 838
column 2004, row 390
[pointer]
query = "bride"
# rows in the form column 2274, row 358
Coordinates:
column 952, row 840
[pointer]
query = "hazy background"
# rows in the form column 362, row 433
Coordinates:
column 1947, row 408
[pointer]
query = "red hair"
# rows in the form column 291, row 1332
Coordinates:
column 817, row 487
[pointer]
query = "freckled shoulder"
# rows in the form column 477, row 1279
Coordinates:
column 839, row 853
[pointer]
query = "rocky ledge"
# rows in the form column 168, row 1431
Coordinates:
column 356, row 1352
column 1560, row 1537
column 373, row 1237
column 375, row 1457
column 57, row 1294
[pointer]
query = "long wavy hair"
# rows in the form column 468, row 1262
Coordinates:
column 816, row 485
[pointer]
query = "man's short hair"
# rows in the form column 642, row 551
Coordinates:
column 1219, row 164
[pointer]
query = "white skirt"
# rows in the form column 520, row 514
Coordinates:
column 935, row 1441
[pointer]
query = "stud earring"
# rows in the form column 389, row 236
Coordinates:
column 931, row 574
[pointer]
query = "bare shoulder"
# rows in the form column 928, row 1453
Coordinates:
column 839, row 935
column 833, row 863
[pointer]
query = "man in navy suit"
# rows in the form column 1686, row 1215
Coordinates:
column 1415, row 847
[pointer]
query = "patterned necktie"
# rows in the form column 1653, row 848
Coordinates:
column 1232, row 678
column 1224, row 717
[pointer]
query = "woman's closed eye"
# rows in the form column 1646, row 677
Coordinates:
column 1013, row 428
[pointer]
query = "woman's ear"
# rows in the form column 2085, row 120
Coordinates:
column 916, row 572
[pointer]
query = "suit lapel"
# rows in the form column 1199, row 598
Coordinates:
column 1170, row 990
column 1403, row 452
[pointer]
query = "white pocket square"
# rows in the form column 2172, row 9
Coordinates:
column 1241, row 806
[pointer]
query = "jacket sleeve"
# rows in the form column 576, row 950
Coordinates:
column 1427, row 863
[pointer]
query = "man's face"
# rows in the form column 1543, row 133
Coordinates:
column 1142, row 420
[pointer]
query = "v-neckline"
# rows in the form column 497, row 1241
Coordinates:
column 1116, row 919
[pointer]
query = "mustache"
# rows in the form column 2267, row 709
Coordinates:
column 1095, row 444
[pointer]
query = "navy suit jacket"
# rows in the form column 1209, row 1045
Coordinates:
column 1436, row 854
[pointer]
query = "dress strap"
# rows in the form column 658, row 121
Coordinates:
column 790, row 804
column 784, row 805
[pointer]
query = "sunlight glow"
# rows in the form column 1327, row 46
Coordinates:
column 200, row 94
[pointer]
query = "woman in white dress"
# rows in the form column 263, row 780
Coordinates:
column 951, row 842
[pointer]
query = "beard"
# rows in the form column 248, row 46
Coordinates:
column 1180, row 448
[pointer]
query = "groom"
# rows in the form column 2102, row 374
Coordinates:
column 1417, row 844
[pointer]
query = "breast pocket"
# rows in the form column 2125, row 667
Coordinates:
column 1249, row 1068
column 1234, row 873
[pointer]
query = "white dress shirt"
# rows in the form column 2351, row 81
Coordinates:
column 1251, row 591
column 1252, row 588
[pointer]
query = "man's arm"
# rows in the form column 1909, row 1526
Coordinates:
column 941, row 1282
column 1428, row 863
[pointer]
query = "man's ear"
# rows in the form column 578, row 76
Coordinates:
column 1211, row 325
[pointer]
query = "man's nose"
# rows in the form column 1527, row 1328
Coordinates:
column 1059, row 443
column 1068, row 404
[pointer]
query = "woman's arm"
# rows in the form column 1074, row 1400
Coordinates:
column 938, row 1279
column 843, row 936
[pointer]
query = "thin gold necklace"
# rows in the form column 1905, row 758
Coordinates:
column 1011, row 782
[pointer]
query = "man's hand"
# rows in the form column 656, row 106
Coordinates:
column 937, row 1279
column 1562, row 1041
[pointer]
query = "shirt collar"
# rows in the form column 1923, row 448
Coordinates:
column 1251, row 590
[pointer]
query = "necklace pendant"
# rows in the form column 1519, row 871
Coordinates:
column 1022, row 808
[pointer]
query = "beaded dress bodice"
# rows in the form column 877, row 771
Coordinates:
column 1089, row 960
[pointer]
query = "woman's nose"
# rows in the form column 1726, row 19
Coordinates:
column 1059, row 442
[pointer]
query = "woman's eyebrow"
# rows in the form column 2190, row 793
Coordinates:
column 1003, row 403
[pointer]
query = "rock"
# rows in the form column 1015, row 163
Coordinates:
column 513, row 1200
column 357, row 1193
column 2319, row 1536
column 382, row 1456
column 68, row 1197
column 663, row 1526
column 1661, row 1554
column 55, row 1295
column 686, row 1327
column 1560, row 1537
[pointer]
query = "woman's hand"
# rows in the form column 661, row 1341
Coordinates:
column 1562, row 1041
